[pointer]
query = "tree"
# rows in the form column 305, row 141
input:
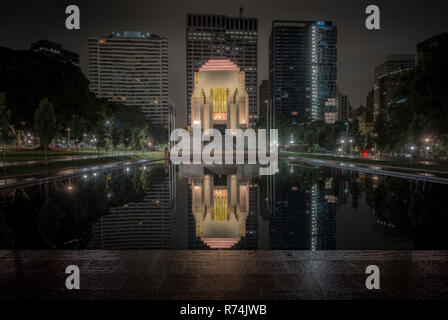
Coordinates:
column 115, row 135
column 138, row 138
column 5, row 118
column 100, row 135
column 156, row 133
column 420, row 107
column 78, row 128
column 27, row 77
column 126, row 137
column 45, row 124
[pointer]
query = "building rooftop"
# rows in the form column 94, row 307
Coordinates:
column 395, row 58
column 218, row 65
column 133, row 35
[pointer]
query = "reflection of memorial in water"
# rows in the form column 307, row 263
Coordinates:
column 224, row 205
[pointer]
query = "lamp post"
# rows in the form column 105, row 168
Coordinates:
column 351, row 147
column 342, row 142
column 412, row 152
column 68, row 136
column 427, row 148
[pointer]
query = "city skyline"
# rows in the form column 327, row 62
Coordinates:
column 358, row 49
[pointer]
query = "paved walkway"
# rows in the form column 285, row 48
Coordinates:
column 440, row 177
column 58, row 159
column 29, row 179
column 224, row 274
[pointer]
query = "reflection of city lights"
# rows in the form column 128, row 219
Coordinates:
column 85, row 176
column 95, row 174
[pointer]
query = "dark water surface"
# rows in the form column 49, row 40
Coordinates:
column 226, row 207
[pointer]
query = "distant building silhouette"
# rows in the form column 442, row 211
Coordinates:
column 55, row 49
column 263, row 103
column 427, row 44
column 344, row 107
column 388, row 72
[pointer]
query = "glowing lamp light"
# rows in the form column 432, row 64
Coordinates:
column 365, row 154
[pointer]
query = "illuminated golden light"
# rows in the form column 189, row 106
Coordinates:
column 219, row 104
column 220, row 204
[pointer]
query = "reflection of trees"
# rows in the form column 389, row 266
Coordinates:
column 355, row 190
column 6, row 233
column 416, row 209
column 48, row 221
column 52, row 214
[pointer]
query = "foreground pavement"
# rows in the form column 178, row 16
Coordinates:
column 218, row 274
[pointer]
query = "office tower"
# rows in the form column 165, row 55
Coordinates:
column 426, row 45
column 344, row 107
column 370, row 107
column 263, row 103
column 55, row 49
column 131, row 68
column 360, row 113
column 365, row 120
column 221, row 37
column 303, row 68
column 388, row 72
column 331, row 111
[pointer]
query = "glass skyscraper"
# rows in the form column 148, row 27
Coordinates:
column 303, row 69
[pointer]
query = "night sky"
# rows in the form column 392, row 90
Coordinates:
column 403, row 25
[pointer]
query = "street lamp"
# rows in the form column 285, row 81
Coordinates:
column 68, row 136
column 412, row 153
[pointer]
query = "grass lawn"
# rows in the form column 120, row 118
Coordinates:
column 31, row 168
column 441, row 166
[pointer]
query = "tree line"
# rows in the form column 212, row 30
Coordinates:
column 49, row 97
column 420, row 115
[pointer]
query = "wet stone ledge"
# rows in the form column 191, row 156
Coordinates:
column 220, row 274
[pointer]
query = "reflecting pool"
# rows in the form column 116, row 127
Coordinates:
column 162, row 206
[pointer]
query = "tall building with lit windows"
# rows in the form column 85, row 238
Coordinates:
column 303, row 69
column 388, row 72
column 132, row 68
column 222, row 37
